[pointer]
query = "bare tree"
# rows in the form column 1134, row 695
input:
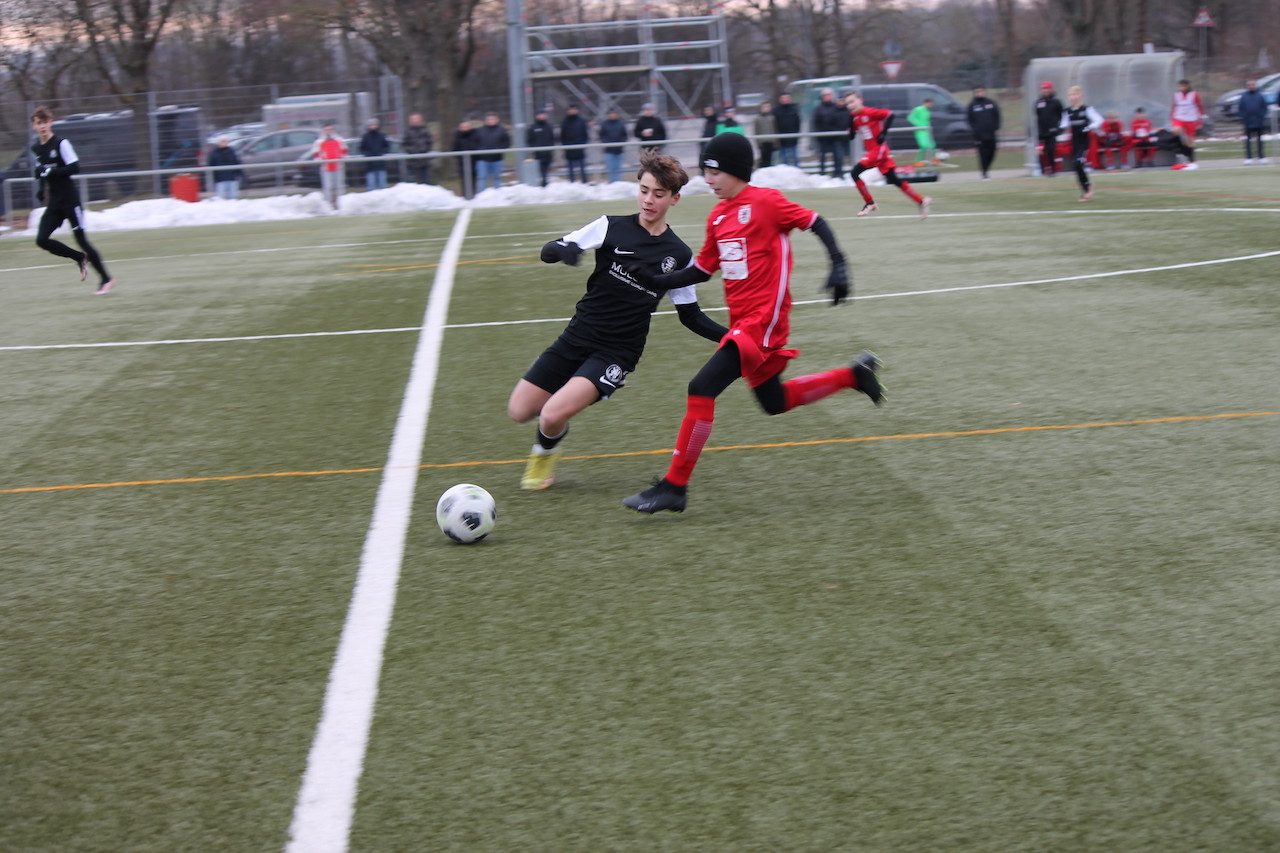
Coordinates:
column 429, row 44
column 1006, row 19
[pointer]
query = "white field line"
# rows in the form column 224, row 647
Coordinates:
column 326, row 801
column 994, row 286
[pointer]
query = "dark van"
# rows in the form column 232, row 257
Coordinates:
column 105, row 142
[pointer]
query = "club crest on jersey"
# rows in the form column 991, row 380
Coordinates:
column 744, row 214
column 614, row 375
column 668, row 264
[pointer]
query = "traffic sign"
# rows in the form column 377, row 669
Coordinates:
column 1203, row 18
column 891, row 68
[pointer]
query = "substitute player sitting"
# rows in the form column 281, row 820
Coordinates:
column 606, row 335
column 871, row 125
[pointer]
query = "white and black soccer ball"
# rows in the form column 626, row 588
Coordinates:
column 466, row 513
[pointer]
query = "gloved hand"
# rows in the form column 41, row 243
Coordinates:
column 46, row 171
column 565, row 253
column 882, row 136
column 642, row 274
column 838, row 281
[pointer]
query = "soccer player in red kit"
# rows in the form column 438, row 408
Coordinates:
column 748, row 241
column 1144, row 146
column 871, row 125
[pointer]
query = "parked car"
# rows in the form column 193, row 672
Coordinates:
column 1228, row 105
column 237, row 131
column 280, row 148
column 289, row 151
column 950, row 124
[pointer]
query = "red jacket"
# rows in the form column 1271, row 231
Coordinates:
column 330, row 148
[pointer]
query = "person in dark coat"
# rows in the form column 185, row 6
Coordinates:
column 493, row 138
column 650, row 128
column 541, row 136
column 464, row 140
column 1048, row 125
column 375, row 144
column 1253, row 116
column 613, row 130
column 226, row 182
column 983, row 115
column 710, row 121
column 417, row 140
column 787, row 116
column 574, row 131
column 829, row 116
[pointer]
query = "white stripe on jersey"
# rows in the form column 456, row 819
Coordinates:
column 67, row 152
column 784, row 279
column 589, row 236
column 683, row 295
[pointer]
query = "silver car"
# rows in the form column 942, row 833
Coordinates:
column 280, row 148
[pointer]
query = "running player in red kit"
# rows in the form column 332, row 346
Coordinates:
column 872, row 125
column 748, row 241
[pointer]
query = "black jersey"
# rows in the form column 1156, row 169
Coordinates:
column 614, row 312
column 1048, row 115
column 1080, row 121
column 56, row 162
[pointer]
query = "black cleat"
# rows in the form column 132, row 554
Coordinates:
column 864, row 373
column 658, row 497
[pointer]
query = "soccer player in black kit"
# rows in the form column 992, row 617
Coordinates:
column 1082, row 120
column 605, row 337
column 56, row 162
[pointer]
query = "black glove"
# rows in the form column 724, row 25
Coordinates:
column 882, row 136
column 838, row 281
column 565, row 253
column 45, row 171
column 640, row 273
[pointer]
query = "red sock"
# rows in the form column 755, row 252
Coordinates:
column 911, row 194
column 862, row 188
column 804, row 390
column 694, row 431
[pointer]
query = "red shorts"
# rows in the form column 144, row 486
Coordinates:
column 1190, row 128
column 759, row 364
column 882, row 160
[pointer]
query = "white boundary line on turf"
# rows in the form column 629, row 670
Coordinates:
column 266, row 250
column 327, row 799
column 936, row 291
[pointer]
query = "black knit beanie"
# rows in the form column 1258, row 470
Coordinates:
column 729, row 152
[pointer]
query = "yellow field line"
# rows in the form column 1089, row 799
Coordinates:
column 661, row 452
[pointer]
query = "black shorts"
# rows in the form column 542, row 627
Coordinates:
column 564, row 359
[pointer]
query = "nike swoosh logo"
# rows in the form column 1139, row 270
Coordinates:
column 622, row 252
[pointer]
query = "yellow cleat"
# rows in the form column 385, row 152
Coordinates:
column 539, row 471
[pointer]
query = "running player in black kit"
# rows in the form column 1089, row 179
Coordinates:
column 606, row 336
column 56, row 162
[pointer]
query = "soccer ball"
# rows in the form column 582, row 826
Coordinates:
column 466, row 513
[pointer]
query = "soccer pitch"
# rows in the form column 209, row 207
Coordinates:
column 1030, row 604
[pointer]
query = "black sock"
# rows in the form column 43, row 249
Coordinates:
column 549, row 444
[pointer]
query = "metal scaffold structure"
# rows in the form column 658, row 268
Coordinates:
column 678, row 64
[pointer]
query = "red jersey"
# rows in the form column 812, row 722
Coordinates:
column 1112, row 133
column 867, row 124
column 1140, row 129
column 748, row 240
